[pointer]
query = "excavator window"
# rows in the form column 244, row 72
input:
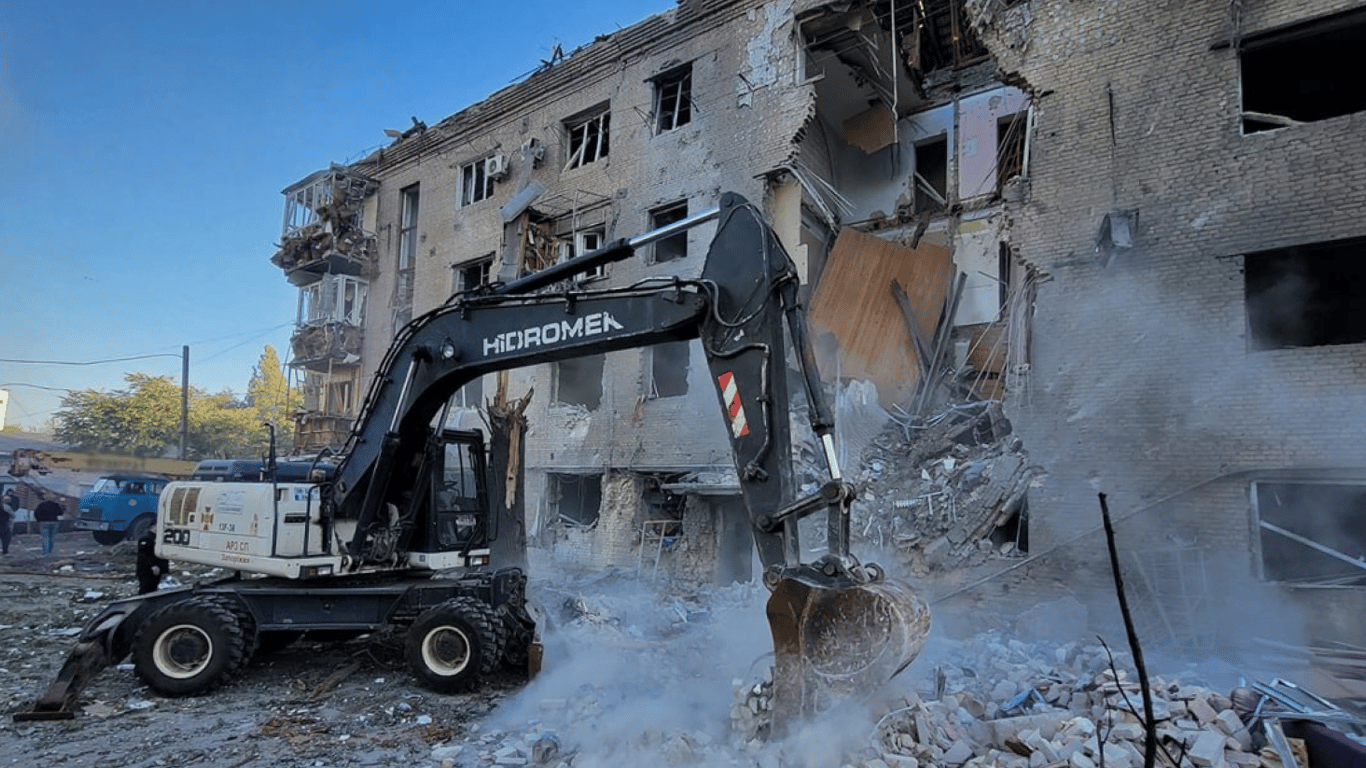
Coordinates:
column 459, row 501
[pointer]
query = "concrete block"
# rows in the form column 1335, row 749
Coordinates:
column 959, row 753
column 1208, row 749
column 1201, row 710
column 1229, row 722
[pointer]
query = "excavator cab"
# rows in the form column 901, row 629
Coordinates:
column 456, row 495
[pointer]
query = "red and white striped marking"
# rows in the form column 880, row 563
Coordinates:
column 739, row 426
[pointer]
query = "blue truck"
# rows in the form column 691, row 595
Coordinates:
column 121, row 506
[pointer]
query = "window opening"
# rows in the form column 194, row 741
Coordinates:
column 1306, row 296
column 1303, row 74
column 1009, row 148
column 407, row 245
column 338, row 397
column 1312, row 533
column 589, row 139
column 475, row 183
column 578, row 498
column 333, row 299
column 579, row 244
column 471, row 274
column 932, row 174
column 674, row 246
column 578, row 381
column 673, row 99
column 669, row 369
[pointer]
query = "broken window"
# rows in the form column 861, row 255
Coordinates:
column 1306, row 296
column 407, row 245
column 669, row 369
column 339, row 395
column 589, row 137
column 578, row 381
column 475, row 183
column 1303, row 73
column 577, row 245
column 673, row 99
column 1311, row 533
column 333, row 299
column 1010, row 133
column 471, row 274
column 577, row 498
column 674, row 246
column 932, row 174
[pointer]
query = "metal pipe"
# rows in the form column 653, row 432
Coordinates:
column 669, row 230
column 617, row 250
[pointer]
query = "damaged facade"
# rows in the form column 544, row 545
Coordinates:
column 1116, row 218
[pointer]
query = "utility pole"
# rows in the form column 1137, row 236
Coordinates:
column 184, row 398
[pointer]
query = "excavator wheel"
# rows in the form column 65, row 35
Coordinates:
column 836, row 641
column 189, row 647
column 453, row 645
column 246, row 621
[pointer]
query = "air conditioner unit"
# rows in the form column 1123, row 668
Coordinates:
column 496, row 166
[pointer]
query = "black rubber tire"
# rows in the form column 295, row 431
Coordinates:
column 246, row 622
column 139, row 527
column 454, row 645
column 107, row 538
column 189, row 647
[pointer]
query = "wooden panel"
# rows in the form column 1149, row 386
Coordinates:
column 854, row 303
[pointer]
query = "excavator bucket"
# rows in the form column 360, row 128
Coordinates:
column 834, row 640
column 86, row 661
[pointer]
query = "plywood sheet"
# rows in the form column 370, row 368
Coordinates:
column 854, row 304
column 872, row 129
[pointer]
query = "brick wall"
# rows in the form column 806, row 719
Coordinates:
column 1142, row 384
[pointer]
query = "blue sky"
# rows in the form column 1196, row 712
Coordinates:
column 144, row 144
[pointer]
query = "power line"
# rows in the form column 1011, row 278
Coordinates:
column 37, row 386
column 87, row 362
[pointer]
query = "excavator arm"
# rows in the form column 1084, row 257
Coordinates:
column 837, row 624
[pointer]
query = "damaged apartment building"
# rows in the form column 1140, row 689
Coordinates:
column 1124, row 220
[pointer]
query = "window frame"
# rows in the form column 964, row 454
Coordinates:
column 474, row 179
column 591, row 128
column 1265, row 531
column 662, row 216
column 461, row 271
column 653, row 392
column 578, row 244
column 666, row 114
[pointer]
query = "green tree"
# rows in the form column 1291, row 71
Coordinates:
column 141, row 420
column 274, row 401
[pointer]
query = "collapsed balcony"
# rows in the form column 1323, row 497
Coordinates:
column 322, row 227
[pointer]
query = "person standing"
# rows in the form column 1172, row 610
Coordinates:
column 9, row 505
column 48, row 513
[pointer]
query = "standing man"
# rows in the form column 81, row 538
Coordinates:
column 47, row 513
column 8, row 506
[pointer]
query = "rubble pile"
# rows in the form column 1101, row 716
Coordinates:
column 950, row 492
column 1006, row 704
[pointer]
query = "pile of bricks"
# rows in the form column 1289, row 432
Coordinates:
column 1008, row 704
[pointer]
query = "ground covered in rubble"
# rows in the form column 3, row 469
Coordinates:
column 637, row 673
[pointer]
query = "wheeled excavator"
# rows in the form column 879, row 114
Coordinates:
column 397, row 532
